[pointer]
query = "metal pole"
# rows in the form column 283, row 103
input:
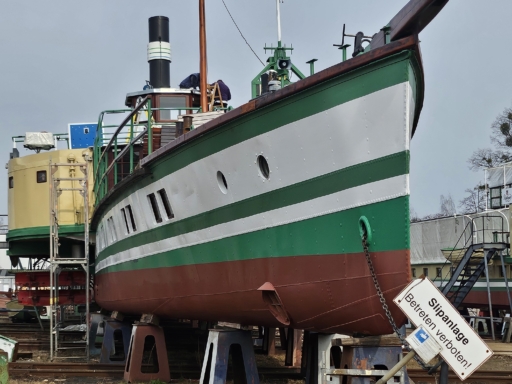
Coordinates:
column 485, row 185
column 443, row 376
column 489, row 296
column 384, row 379
column 86, row 253
column 202, row 55
column 51, row 258
column 506, row 280
column 278, row 22
column 150, row 129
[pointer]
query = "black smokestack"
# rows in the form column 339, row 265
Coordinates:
column 159, row 52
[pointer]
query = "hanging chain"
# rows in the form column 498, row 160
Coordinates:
column 385, row 307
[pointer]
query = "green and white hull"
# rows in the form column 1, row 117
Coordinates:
column 337, row 149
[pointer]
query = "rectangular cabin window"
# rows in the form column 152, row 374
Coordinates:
column 175, row 103
column 11, row 182
column 425, row 272
column 112, row 229
column 438, row 272
column 165, row 202
column 132, row 219
column 41, row 176
column 154, row 207
column 125, row 220
column 413, row 272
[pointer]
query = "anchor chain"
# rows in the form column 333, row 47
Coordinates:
column 385, row 307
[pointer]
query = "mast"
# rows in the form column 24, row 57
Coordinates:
column 202, row 55
column 278, row 23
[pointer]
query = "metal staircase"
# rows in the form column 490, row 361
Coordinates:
column 461, row 283
column 489, row 237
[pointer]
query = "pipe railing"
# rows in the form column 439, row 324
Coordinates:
column 121, row 140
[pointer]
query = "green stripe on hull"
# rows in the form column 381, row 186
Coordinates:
column 43, row 232
column 374, row 77
column 360, row 174
column 336, row 233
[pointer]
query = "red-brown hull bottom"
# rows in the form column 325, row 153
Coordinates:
column 327, row 293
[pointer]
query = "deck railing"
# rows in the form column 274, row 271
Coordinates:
column 120, row 141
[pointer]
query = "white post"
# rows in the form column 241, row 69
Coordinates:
column 278, row 22
column 485, row 185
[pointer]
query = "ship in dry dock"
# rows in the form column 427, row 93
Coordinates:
column 246, row 215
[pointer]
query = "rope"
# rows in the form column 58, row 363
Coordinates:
column 241, row 34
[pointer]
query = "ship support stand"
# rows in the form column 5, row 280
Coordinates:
column 78, row 183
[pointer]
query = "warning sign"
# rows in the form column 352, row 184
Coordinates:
column 462, row 348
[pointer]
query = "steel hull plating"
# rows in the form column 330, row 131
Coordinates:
column 314, row 292
column 337, row 151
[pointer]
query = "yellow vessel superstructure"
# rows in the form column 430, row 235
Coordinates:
column 30, row 181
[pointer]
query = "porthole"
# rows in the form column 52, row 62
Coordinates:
column 221, row 180
column 263, row 166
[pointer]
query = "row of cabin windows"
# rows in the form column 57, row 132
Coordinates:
column 40, row 178
column 425, row 272
column 129, row 219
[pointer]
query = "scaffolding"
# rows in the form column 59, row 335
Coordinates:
column 79, row 183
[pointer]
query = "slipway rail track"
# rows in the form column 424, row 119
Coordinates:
column 483, row 376
column 69, row 370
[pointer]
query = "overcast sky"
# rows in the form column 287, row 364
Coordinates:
column 64, row 61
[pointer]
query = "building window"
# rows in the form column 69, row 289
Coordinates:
column 41, row 176
column 11, row 182
column 425, row 272
column 413, row 271
column 438, row 272
column 154, row 207
column 165, row 202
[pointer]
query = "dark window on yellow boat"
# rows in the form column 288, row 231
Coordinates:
column 125, row 220
column 11, row 182
column 413, row 272
column 41, row 176
column 165, row 202
column 438, row 272
column 154, row 207
column 425, row 272
column 132, row 219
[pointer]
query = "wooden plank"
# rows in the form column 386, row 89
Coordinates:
column 411, row 20
column 386, row 340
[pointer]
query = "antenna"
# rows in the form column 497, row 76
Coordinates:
column 278, row 22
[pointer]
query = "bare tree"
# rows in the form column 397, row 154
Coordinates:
column 474, row 200
column 501, row 137
column 447, row 206
column 413, row 216
column 488, row 158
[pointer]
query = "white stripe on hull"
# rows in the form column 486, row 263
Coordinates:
column 336, row 202
column 358, row 131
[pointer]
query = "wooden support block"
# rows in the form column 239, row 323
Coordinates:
column 149, row 318
column 269, row 341
column 293, row 348
column 117, row 316
column 372, row 341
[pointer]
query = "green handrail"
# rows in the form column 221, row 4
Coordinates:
column 106, row 141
